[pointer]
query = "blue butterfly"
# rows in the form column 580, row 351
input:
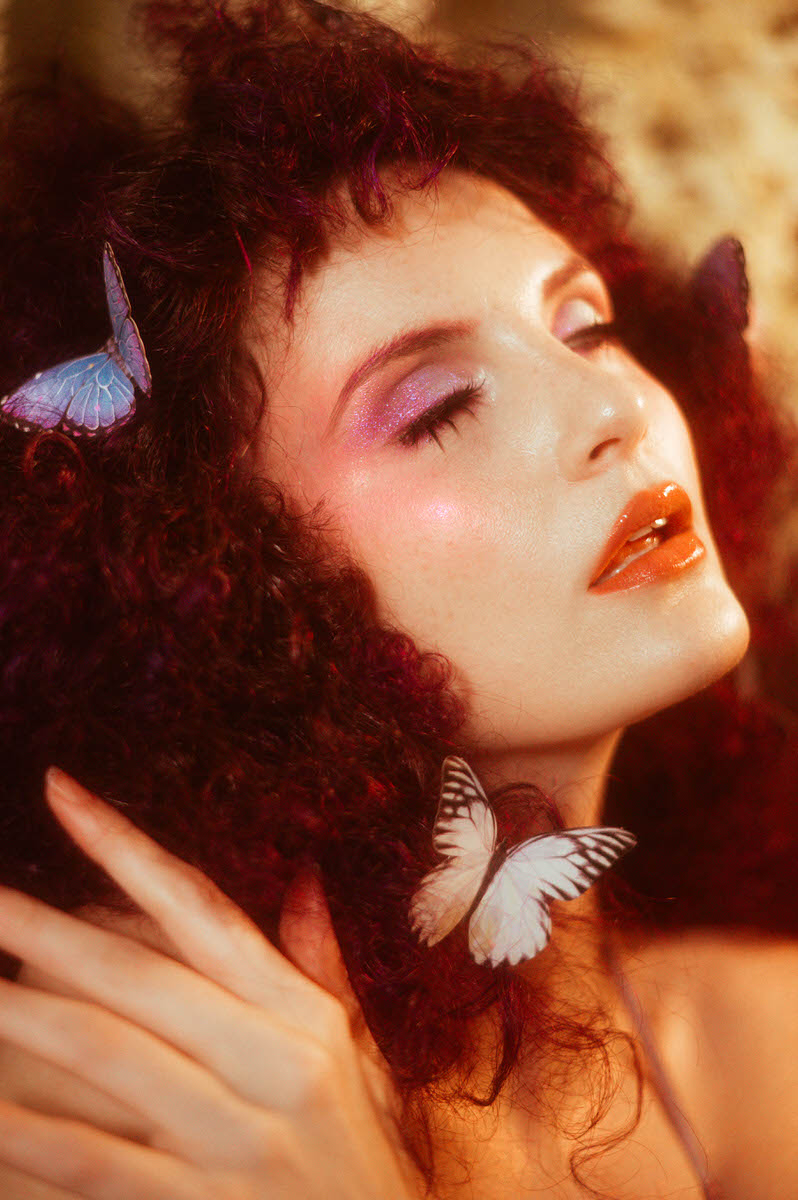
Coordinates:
column 90, row 394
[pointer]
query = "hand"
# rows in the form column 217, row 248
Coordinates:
column 250, row 1078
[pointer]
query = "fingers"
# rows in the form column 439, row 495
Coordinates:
column 151, row 989
column 227, row 1047
column 210, row 932
column 229, row 1037
column 187, row 1110
column 91, row 1164
column 291, row 1019
column 308, row 939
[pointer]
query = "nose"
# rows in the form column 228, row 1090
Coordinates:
column 608, row 422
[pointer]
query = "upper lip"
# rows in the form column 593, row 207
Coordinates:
column 665, row 500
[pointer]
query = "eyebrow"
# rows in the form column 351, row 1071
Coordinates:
column 432, row 337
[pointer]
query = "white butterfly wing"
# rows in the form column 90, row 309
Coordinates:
column 465, row 824
column 465, row 834
column 512, row 921
column 444, row 897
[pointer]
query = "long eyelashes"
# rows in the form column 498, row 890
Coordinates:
column 426, row 427
column 466, row 399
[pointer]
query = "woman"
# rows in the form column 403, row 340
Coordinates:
column 365, row 519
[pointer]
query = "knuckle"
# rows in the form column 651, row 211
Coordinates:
column 259, row 1144
column 315, row 1076
column 242, row 1140
column 192, row 889
column 331, row 1025
column 267, row 1144
column 233, row 1188
column 195, row 886
column 282, row 1152
column 83, row 1037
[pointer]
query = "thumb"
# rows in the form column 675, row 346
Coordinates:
column 308, row 939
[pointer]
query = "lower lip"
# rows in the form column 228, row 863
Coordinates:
column 669, row 558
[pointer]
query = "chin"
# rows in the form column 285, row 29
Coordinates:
column 697, row 641
column 713, row 646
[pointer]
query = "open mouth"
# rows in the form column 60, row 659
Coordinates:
column 642, row 542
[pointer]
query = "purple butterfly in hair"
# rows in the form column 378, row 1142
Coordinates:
column 90, row 394
column 720, row 286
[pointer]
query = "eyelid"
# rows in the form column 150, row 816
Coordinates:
column 590, row 290
column 427, row 382
column 460, row 400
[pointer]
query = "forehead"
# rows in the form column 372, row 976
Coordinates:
column 457, row 250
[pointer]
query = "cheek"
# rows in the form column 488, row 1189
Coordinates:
column 682, row 452
column 668, row 427
column 422, row 547
column 462, row 566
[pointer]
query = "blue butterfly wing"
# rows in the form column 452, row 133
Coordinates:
column 126, row 335
column 88, row 394
column 104, row 397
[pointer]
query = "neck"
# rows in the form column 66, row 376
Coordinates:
column 575, row 778
column 573, row 775
column 575, row 982
column 551, row 1089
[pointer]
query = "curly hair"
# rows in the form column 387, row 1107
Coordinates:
column 174, row 635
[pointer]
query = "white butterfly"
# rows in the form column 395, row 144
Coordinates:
column 506, row 893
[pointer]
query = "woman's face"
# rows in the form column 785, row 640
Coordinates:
column 481, row 540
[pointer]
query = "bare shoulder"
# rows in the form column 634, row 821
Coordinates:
column 724, row 1009
column 718, row 971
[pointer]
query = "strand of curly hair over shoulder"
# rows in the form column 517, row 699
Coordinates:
column 178, row 637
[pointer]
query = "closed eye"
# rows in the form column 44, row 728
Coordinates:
column 583, row 321
column 590, row 337
column 426, row 427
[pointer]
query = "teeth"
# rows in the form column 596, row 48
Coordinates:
column 660, row 521
column 650, row 543
column 648, row 538
column 638, row 543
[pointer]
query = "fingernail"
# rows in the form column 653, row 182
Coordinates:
column 67, row 791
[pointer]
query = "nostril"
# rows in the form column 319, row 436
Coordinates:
column 596, row 451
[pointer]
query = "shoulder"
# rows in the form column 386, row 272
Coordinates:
column 716, row 969
column 721, row 978
column 724, row 1009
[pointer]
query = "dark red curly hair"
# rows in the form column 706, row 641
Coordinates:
column 174, row 636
